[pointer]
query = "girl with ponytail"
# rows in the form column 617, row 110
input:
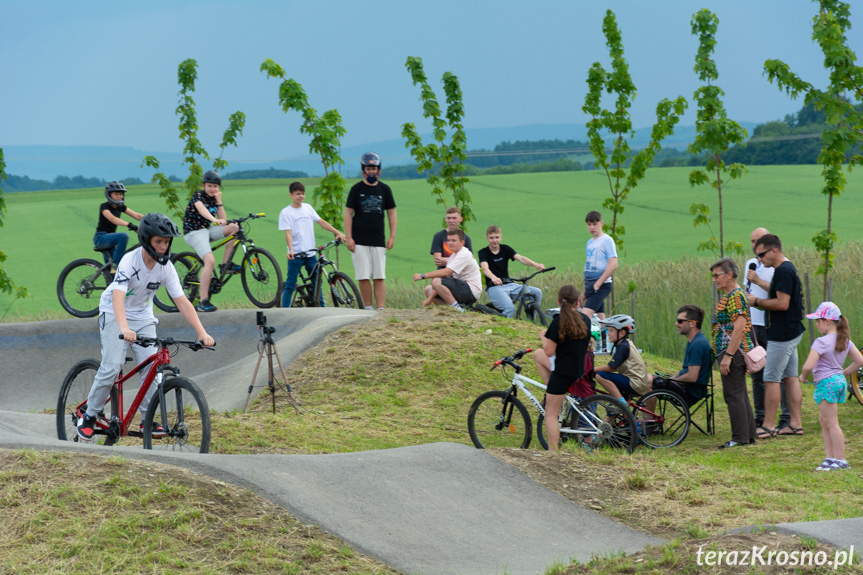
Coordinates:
column 825, row 363
column 566, row 339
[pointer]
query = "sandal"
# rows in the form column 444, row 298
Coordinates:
column 794, row 431
column 764, row 433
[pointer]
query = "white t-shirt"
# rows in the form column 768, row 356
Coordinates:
column 599, row 251
column 301, row 222
column 766, row 274
column 140, row 284
column 465, row 268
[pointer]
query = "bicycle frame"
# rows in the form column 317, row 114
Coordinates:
column 161, row 361
column 519, row 381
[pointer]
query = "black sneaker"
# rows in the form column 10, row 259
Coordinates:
column 230, row 268
column 158, row 430
column 86, row 428
column 205, row 305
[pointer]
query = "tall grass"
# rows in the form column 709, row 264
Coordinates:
column 653, row 291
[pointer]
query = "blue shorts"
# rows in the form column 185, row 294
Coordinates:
column 831, row 389
column 621, row 382
column 595, row 300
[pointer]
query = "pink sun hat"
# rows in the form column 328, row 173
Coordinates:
column 826, row 310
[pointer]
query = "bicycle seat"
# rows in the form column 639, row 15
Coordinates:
column 108, row 249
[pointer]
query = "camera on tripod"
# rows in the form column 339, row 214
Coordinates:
column 262, row 323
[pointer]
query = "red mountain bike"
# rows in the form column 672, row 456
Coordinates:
column 178, row 404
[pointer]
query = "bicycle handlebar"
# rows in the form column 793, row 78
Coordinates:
column 524, row 279
column 335, row 242
column 194, row 345
column 249, row 217
column 511, row 359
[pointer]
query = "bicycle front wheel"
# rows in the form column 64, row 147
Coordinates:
column 187, row 427
column 612, row 423
column 344, row 291
column 497, row 419
column 186, row 266
column 80, row 287
column 72, row 402
column 854, row 383
column 667, row 425
column 534, row 314
column 262, row 278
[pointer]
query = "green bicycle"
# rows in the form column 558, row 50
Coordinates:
column 261, row 275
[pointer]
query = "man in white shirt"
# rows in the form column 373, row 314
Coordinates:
column 459, row 282
column 297, row 221
column 758, row 278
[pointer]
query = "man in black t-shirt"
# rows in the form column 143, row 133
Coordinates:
column 494, row 264
column 784, row 324
column 439, row 250
column 364, row 228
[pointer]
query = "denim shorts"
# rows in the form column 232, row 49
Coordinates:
column 781, row 360
column 831, row 389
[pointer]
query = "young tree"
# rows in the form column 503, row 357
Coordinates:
column 715, row 133
column 6, row 283
column 450, row 158
column 326, row 131
column 618, row 125
column 844, row 130
column 187, row 73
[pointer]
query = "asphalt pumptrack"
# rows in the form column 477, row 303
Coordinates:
column 439, row 508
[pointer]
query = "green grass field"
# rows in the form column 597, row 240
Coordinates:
column 542, row 216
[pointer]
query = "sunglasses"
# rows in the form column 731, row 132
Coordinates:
column 679, row 321
column 762, row 254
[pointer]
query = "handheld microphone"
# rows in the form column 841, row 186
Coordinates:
column 752, row 267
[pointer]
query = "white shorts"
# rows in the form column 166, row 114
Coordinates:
column 370, row 262
column 199, row 240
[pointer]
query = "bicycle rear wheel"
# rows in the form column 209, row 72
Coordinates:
column 72, row 402
column 80, row 287
column 497, row 419
column 614, row 423
column 187, row 267
column 669, row 426
column 262, row 278
column 187, row 426
column 344, row 292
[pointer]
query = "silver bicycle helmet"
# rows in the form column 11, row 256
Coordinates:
column 619, row 321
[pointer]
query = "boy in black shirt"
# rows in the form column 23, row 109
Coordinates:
column 494, row 264
column 109, row 218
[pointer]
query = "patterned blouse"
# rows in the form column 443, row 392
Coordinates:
column 730, row 307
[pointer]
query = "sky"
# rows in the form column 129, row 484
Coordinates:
column 104, row 73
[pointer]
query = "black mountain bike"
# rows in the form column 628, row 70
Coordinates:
column 524, row 303
column 309, row 290
column 261, row 275
column 82, row 282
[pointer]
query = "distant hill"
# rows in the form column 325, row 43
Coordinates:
column 115, row 162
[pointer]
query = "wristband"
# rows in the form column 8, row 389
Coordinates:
column 219, row 205
column 422, row 276
column 756, row 302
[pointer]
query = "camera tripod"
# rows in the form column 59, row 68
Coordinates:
column 268, row 347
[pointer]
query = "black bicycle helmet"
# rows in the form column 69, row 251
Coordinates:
column 156, row 224
column 112, row 187
column 370, row 159
column 212, row 177
column 619, row 321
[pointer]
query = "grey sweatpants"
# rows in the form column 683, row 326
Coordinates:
column 113, row 357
